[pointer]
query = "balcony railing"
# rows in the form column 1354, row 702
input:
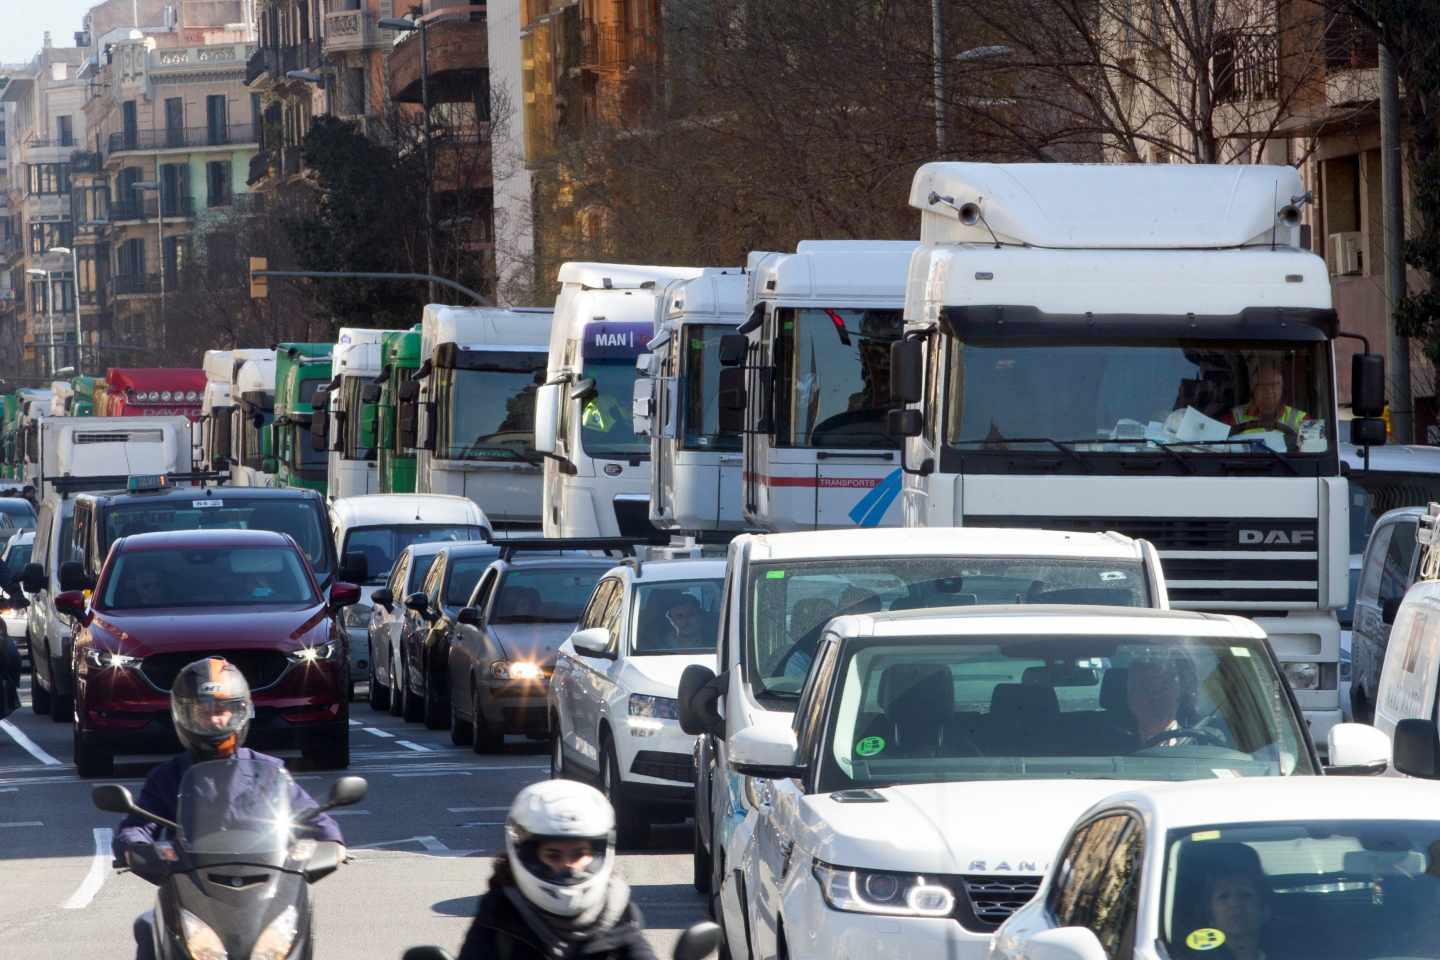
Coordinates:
column 130, row 285
column 147, row 208
column 262, row 61
column 180, row 137
column 300, row 56
column 350, row 30
column 85, row 161
column 1246, row 67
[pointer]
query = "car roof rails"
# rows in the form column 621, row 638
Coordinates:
column 1427, row 535
column 625, row 546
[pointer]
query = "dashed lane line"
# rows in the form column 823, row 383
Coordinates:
column 476, row 809
column 432, row 844
column 377, row 732
column 432, row 773
column 411, row 745
column 349, row 813
column 21, row 823
column 99, row 871
column 28, row 745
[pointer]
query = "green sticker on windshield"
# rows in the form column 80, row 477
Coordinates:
column 870, row 746
column 774, row 574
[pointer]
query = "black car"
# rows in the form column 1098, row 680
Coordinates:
column 501, row 646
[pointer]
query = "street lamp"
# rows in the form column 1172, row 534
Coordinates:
column 937, row 38
column 49, row 311
column 160, row 240
column 75, row 286
column 406, row 25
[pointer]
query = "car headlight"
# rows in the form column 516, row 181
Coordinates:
column 274, row 943
column 656, row 708
column 878, row 891
column 322, row 651
column 516, row 670
column 108, row 659
column 201, row 942
column 356, row 615
column 1302, row 676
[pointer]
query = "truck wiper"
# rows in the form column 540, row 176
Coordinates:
column 1253, row 444
column 1173, row 454
column 1060, row 445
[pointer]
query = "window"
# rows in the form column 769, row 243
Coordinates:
column 465, row 573
column 217, row 121
column 701, row 406
column 1375, row 552
column 174, row 122
column 553, row 595
column 177, row 255
column 199, row 577
column 1099, row 884
column 130, row 126
column 131, row 259
column 217, row 177
column 175, row 189
column 1395, row 573
column 49, row 179
column 300, row 519
column 679, row 616
column 65, row 130
column 44, row 236
column 485, row 409
column 834, row 374
column 380, row 545
column 396, row 583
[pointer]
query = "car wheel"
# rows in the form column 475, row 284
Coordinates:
column 461, row 732
column 90, row 761
column 483, row 737
column 557, row 753
column 632, row 830
column 39, row 695
column 61, row 709
column 397, row 684
column 432, row 708
column 378, row 694
column 333, row 753
column 701, row 860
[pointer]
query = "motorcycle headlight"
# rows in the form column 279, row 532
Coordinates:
column 1302, row 676
column 877, row 891
column 274, row 943
column 323, row 651
column 356, row 615
column 201, row 942
column 656, row 708
column 109, row 660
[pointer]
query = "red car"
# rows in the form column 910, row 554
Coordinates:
column 163, row 600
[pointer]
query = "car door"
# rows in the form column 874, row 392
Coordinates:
column 384, row 624
column 38, row 627
column 590, row 702
column 416, row 626
column 570, row 683
column 467, row 646
column 1366, row 640
column 1098, row 882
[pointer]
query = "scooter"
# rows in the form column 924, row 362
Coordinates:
column 234, row 876
column 696, row 943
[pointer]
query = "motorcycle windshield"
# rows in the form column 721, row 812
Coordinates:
column 237, row 807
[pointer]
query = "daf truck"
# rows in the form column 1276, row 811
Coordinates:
column 1142, row 349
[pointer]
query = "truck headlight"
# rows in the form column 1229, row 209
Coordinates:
column 877, row 891
column 656, row 708
column 274, row 943
column 1302, row 676
column 201, row 942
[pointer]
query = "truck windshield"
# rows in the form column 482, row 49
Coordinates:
column 301, row 518
column 701, row 386
column 487, row 410
column 1194, row 396
column 381, row 545
column 790, row 603
column 1328, row 888
column 834, row 385
column 606, row 428
column 1045, row 706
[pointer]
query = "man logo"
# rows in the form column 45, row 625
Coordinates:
column 1288, row 538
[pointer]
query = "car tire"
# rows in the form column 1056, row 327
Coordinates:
column 333, row 753
column 632, row 829
column 91, row 761
column 61, row 709
column 397, row 684
column 412, row 708
column 701, row 861
column 432, row 709
column 483, row 737
column 461, row 732
column 39, row 695
column 378, row 694
column 557, row 753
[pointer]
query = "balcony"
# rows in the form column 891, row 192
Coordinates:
column 264, row 60
column 132, row 285
column 459, row 57
column 188, row 59
column 147, row 208
column 351, row 30
column 148, row 141
column 10, row 248
column 299, row 56
column 1246, row 67
column 85, row 161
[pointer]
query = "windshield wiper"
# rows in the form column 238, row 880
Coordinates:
column 1174, row 454
column 1253, row 444
column 1057, row 444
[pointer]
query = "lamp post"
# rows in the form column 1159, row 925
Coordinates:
column 148, row 185
column 49, row 311
column 406, row 25
column 937, row 52
column 75, row 286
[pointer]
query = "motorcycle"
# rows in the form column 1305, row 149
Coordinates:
column 696, row 943
column 234, row 874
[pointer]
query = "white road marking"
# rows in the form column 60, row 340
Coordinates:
column 99, row 871
column 484, row 823
column 431, row 844
column 408, row 745
column 28, row 745
column 9, row 789
column 377, row 732
column 434, row 773
column 349, row 813
column 474, row 809
column 356, row 723
column 21, row 823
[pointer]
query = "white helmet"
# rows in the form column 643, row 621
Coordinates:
column 561, row 810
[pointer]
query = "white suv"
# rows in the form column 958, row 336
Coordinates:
column 613, row 709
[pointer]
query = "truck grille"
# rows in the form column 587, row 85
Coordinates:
column 993, row 899
column 260, row 667
column 1256, row 563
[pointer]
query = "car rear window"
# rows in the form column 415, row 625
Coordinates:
column 206, row 577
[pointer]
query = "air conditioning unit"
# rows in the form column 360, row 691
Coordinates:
column 1345, row 253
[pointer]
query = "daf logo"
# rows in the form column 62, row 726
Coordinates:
column 1292, row 538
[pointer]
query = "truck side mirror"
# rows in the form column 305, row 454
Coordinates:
column 355, row 567
column 908, row 422
column 547, row 417
column 732, row 349
column 370, row 393
column 642, row 406
column 425, row 440
column 1389, row 607
column 907, row 373
column 270, row 465
column 32, row 578
column 1367, row 385
column 73, row 576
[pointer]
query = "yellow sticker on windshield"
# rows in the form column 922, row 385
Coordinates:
column 1206, row 938
column 1205, row 835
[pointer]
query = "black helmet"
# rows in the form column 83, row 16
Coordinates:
column 203, row 693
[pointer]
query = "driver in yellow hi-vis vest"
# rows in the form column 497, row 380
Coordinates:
column 601, row 412
column 1266, row 410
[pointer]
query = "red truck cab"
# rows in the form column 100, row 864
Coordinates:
column 153, row 392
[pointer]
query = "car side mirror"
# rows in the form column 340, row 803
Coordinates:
column 73, row 576
column 764, row 752
column 32, row 578
column 1417, row 749
column 732, row 349
column 1389, row 607
column 698, row 942
column 71, row 603
column 346, row 792
column 418, row 602
column 699, row 697
column 355, row 567
column 384, row 598
column 469, row 616
column 592, row 642
column 344, row 594
column 1065, row 943
column 1357, row 750
column 907, row 372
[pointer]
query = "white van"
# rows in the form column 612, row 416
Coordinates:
column 1410, row 678
column 781, row 590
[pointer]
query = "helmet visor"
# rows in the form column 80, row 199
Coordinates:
column 211, row 718
column 563, row 861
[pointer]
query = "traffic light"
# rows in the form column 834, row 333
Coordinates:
column 1385, row 415
column 259, row 286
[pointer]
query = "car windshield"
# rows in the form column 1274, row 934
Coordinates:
column 238, row 807
column 20, row 512
column 487, row 410
column 1193, row 396
column 222, row 510
column 545, row 595
column 464, row 573
column 701, row 386
column 834, row 366
column 676, row 616
column 1358, row 889
column 206, row 577
column 381, row 545
column 16, row 557
column 790, row 603
column 1042, row 707
column 606, row 428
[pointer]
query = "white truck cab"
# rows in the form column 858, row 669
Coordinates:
column 597, row 470
column 694, row 465
column 1141, row 348
column 815, row 392
column 479, row 372
column 781, row 589
column 216, row 408
column 253, row 392
column 347, row 426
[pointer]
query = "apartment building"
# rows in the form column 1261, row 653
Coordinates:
column 9, row 243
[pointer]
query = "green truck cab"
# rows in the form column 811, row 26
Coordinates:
column 301, row 369
column 395, row 422
column 83, row 402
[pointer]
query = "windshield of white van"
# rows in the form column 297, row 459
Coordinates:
column 834, row 367
column 1189, row 396
column 1041, row 707
column 218, row 510
column 790, row 603
column 381, row 545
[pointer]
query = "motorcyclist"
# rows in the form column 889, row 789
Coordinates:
column 553, row 894
column 211, row 706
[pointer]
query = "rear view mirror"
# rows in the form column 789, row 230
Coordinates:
column 425, row 953
column 270, row 465
column 1357, row 750
column 732, row 399
column 583, row 389
column 1367, row 384
column 70, row 603
column 1389, row 607
column 370, row 393
column 642, row 406
column 907, row 372
column 759, row 751
column 1368, row 432
column 732, row 349
column 344, row 594
column 592, row 642
column 1417, row 749
column 547, row 417
column 698, row 696
column 347, row 791
column 383, row 598
column 112, row 798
